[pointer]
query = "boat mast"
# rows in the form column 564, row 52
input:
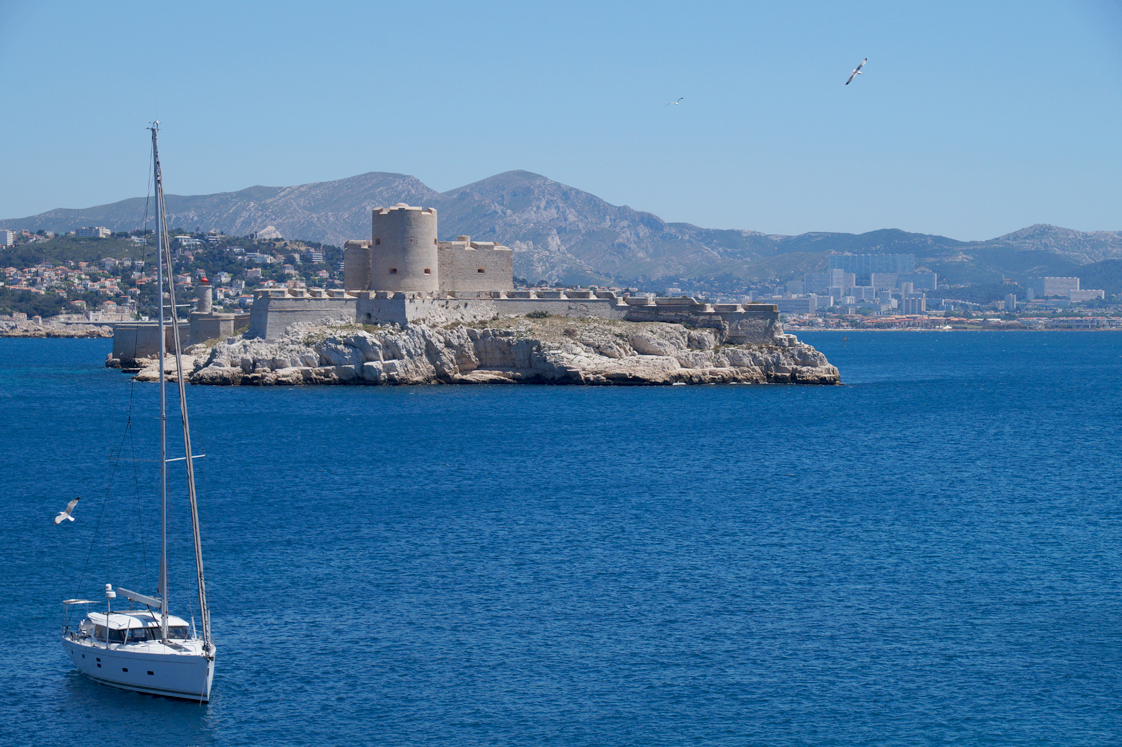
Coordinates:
column 161, row 238
column 181, row 380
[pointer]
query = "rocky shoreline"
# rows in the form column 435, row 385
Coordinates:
column 31, row 329
column 554, row 350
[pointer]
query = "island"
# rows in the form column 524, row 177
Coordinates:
column 416, row 310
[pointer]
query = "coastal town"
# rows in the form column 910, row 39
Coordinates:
column 96, row 277
column 93, row 277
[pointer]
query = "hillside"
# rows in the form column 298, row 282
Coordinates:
column 565, row 235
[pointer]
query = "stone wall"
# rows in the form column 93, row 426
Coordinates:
column 134, row 340
column 556, row 303
column 742, row 324
column 276, row 310
column 404, row 309
column 467, row 265
column 215, row 326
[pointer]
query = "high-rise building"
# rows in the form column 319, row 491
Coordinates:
column 1053, row 286
column 817, row 281
column 914, row 305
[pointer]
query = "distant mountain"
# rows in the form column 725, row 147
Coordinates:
column 564, row 235
column 328, row 212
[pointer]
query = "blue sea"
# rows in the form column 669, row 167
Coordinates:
column 930, row 554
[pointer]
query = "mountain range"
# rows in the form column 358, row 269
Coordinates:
column 561, row 234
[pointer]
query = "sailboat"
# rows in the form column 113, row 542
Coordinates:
column 145, row 648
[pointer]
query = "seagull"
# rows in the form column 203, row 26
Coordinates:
column 675, row 103
column 857, row 70
column 66, row 514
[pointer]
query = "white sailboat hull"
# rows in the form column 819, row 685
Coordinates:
column 149, row 667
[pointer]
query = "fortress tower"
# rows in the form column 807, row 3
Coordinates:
column 404, row 255
column 403, row 251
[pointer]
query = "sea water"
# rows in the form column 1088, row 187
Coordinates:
column 929, row 554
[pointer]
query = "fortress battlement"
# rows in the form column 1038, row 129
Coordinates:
column 404, row 275
column 403, row 206
column 301, row 293
column 465, row 243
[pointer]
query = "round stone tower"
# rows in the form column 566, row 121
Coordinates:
column 356, row 265
column 206, row 298
column 403, row 252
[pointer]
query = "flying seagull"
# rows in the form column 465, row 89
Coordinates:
column 66, row 514
column 675, row 103
column 857, row 70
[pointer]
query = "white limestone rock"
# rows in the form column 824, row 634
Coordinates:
column 554, row 350
column 150, row 368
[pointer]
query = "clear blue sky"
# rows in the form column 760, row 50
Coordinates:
column 972, row 119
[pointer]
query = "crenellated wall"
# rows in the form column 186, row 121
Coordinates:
column 403, row 309
column 740, row 323
column 276, row 310
column 467, row 265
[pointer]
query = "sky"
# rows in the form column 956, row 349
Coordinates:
column 970, row 120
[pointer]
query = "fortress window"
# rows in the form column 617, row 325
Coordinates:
column 377, row 242
column 393, row 271
column 434, row 242
column 481, row 271
column 428, row 271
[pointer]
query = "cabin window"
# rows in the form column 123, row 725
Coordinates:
column 179, row 631
column 114, row 636
column 151, row 672
column 124, row 669
column 144, row 634
column 393, row 270
column 428, row 271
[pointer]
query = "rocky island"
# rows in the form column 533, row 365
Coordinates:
column 547, row 350
column 418, row 310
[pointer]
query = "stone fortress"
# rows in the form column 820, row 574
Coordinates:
column 404, row 275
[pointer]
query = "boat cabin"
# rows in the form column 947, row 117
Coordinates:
column 131, row 626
